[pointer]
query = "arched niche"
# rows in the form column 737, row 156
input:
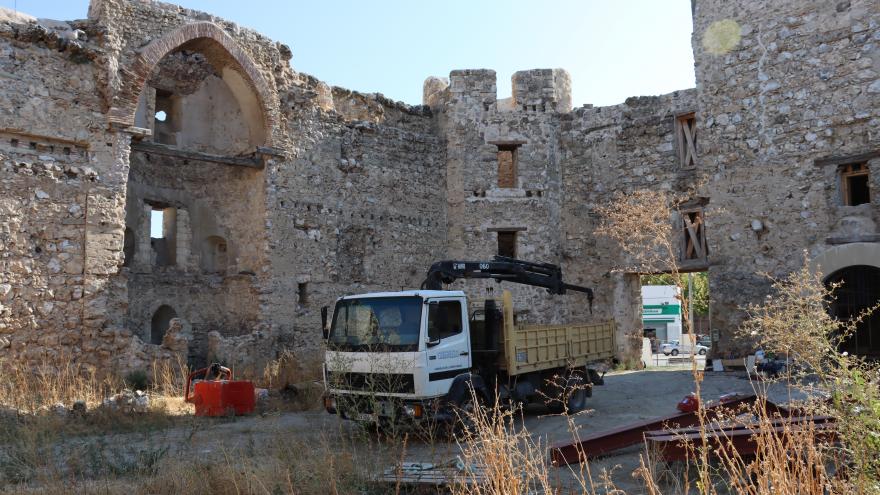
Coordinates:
column 160, row 323
column 234, row 67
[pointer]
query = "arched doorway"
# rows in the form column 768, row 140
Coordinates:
column 858, row 291
column 160, row 323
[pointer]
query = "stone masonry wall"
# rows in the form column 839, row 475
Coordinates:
column 324, row 191
column 780, row 86
column 359, row 207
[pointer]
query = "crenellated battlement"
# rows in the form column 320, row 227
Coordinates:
column 542, row 90
column 535, row 90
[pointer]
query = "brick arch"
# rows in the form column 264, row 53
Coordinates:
column 134, row 76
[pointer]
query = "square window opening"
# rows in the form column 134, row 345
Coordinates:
column 507, row 244
column 163, row 224
column 855, row 184
column 507, row 166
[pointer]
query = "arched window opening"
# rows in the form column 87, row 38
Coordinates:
column 214, row 254
column 161, row 321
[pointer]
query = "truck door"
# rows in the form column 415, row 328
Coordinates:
column 448, row 347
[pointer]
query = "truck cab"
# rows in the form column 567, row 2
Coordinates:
column 421, row 355
column 395, row 355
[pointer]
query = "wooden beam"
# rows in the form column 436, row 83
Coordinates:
column 853, row 238
column 166, row 150
column 847, row 159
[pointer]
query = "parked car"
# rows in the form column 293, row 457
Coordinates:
column 674, row 348
column 705, row 340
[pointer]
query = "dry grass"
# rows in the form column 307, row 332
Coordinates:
column 46, row 446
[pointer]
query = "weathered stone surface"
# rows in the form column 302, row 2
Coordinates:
column 348, row 192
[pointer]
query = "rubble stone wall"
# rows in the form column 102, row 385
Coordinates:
column 782, row 86
column 313, row 191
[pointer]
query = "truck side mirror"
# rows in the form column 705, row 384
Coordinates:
column 324, row 328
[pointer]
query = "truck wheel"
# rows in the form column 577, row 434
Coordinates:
column 577, row 393
column 702, row 352
column 464, row 423
column 572, row 399
column 674, row 352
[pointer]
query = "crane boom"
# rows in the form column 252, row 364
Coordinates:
column 503, row 269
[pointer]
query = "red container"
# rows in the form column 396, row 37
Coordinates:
column 223, row 398
column 690, row 403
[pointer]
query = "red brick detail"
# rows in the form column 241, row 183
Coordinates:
column 134, row 75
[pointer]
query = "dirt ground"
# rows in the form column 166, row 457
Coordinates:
column 626, row 397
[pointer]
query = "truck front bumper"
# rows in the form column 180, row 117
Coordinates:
column 390, row 410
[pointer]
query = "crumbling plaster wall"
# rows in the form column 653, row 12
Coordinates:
column 780, row 85
column 211, row 200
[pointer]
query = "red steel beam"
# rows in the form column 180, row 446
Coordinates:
column 715, row 428
column 675, row 447
column 610, row 440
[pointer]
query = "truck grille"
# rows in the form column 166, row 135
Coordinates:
column 389, row 383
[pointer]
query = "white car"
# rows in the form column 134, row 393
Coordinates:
column 674, row 348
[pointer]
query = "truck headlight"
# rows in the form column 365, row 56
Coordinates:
column 413, row 410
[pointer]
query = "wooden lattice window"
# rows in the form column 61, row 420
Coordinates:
column 694, row 246
column 686, row 139
column 854, row 184
column 507, row 164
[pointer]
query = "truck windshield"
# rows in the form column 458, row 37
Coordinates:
column 378, row 324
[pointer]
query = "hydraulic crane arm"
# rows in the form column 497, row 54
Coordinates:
column 503, row 269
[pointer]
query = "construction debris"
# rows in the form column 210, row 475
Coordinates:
column 128, row 401
column 606, row 442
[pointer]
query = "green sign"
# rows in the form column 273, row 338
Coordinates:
column 661, row 309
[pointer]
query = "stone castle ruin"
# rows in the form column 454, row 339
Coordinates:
column 170, row 185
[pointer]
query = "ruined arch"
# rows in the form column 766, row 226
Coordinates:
column 206, row 37
column 160, row 322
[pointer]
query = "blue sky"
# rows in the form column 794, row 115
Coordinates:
column 613, row 49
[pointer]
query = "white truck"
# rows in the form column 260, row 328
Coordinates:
column 414, row 356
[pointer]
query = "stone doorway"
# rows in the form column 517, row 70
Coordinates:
column 859, row 290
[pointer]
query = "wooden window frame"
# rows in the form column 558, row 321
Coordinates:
column 694, row 246
column 686, row 139
column 847, row 172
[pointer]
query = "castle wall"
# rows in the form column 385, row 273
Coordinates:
column 61, row 189
column 782, row 86
column 359, row 207
column 283, row 193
